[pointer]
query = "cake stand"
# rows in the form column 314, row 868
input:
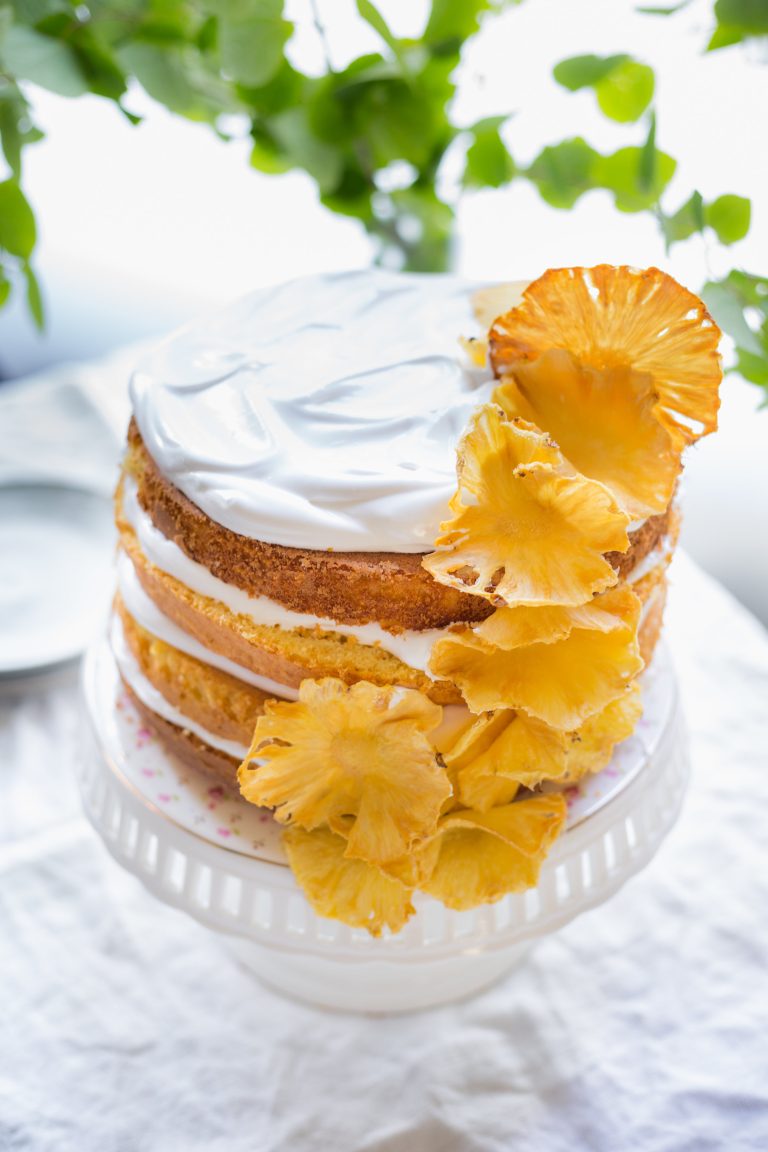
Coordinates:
column 198, row 847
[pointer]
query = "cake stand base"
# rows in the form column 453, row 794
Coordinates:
column 348, row 988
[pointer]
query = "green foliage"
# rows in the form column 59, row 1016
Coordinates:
column 251, row 41
column 564, row 172
column 685, row 222
column 661, row 10
column 623, row 86
column 738, row 20
column 739, row 304
column 373, row 135
column 489, row 163
column 729, row 216
column 17, row 224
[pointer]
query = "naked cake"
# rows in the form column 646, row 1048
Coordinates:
column 393, row 556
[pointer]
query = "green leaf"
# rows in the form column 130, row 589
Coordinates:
column 738, row 20
column 252, row 49
column 17, row 224
column 244, row 9
column 353, row 194
column 34, row 297
column 266, row 156
column 688, row 220
column 729, row 216
column 488, row 163
column 176, row 78
column 5, row 288
column 725, row 36
column 563, row 172
column 654, row 10
column 375, row 20
column 726, row 303
column 649, row 157
column 10, row 133
column 101, row 70
column 285, row 90
column 381, row 116
column 302, row 148
column 736, row 300
column 753, row 368
column 625, row 93
column 585, row 71
column 44, row 61
column 749, row 15
column 624, row 87
column 131, row 117
column 451, row 22
column 624, row 173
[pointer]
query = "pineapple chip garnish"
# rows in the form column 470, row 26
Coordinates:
column 620, row 367
column 356, row 759
column 483, row 856
column 500, row 753
column 505, row 751
column 525, row 528
column 357, row 893
column 590, row 747
column 560, row 665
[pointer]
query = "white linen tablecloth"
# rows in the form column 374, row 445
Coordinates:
column 124, row 1026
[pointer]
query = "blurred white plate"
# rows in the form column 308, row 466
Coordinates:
column 56, row 556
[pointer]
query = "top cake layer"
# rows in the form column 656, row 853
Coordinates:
column 323, row 413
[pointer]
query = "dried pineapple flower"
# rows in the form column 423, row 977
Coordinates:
column 560, row 665
column 620, row 367
column 506, row 750
column 357, row 893
column 590, row 747
column 354, row 758
column 483, row 856
column 525, row 529
column 502, row 752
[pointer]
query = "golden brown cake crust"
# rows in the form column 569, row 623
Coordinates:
column 223, row 705
column 189, row 748
column 390, row 588
column 285, row 656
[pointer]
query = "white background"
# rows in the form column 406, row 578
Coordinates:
column 141, row 228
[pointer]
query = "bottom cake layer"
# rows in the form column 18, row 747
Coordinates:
column 186, row 745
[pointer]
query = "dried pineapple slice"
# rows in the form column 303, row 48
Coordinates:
column 355, row 758
column 352, row 891
column 483, row 856
column 620, row 367
column 569, row 667
column 590, row 747
column 525, row 529
column 502, row 752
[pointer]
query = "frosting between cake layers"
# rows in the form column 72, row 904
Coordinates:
column 156, row 702
column 323, row 413
column 412, row 647
column 146, row 613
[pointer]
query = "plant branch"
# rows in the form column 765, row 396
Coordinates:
column 322, row 33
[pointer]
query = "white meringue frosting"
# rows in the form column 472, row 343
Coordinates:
column 322, row 413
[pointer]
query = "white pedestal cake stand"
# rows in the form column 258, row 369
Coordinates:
column 200, row 848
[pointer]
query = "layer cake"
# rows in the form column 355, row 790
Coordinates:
column 393, row 555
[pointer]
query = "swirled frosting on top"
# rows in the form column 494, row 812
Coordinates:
column 322, row 413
